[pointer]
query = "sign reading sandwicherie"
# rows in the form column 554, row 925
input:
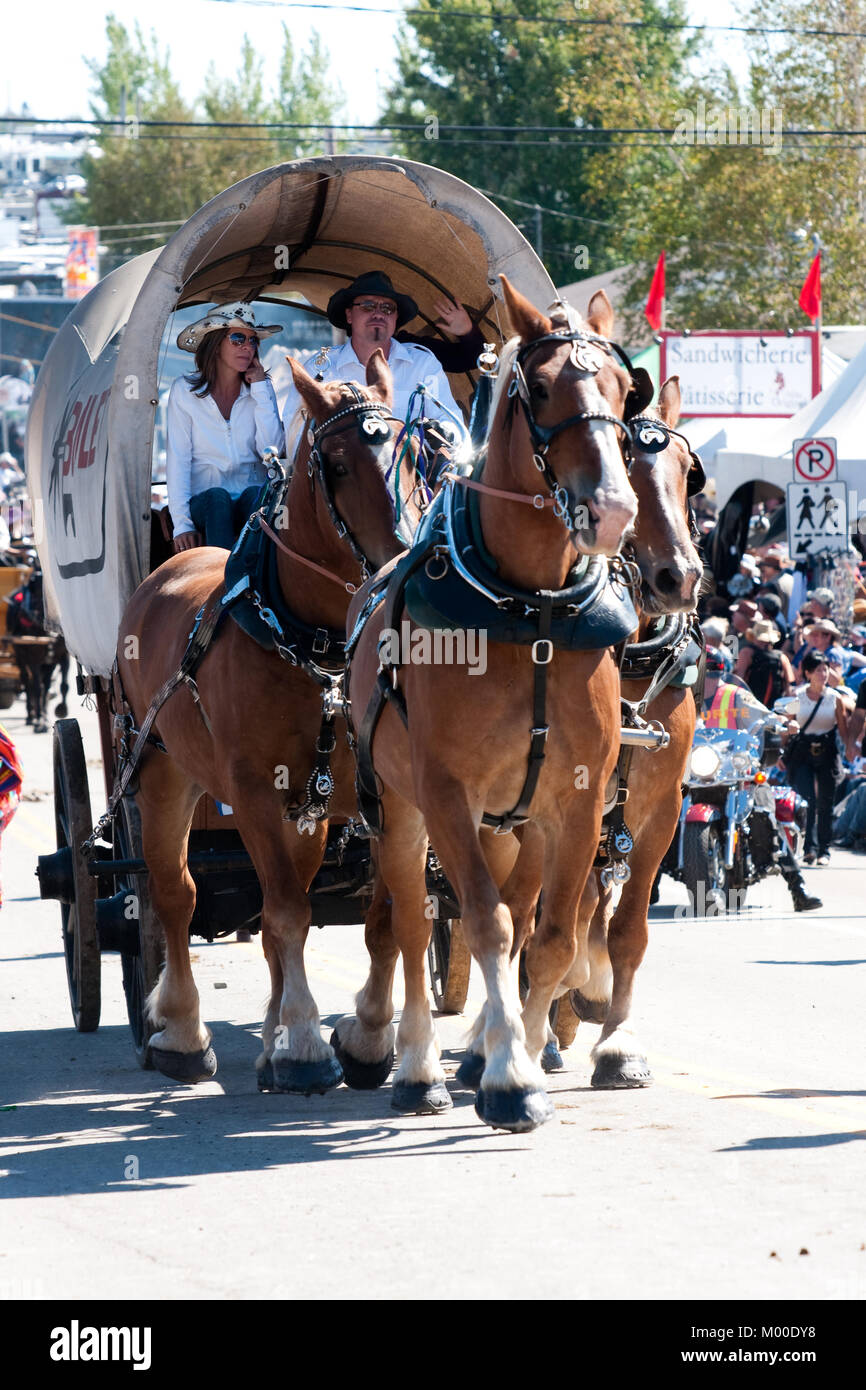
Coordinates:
column 760, row 374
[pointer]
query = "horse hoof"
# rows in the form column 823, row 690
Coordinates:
column 588, row 1010
column 420, row 1097
column 61, row 710
column 185, row 1066
column 621, row 1073
column 551, row 1058
column 470, row 1071
column 302, row 1078
column 361, row 1076
column 517, row 1111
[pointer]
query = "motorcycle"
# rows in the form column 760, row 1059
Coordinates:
column 736, row 819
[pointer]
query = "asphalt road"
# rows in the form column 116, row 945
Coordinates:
column 737, row 1175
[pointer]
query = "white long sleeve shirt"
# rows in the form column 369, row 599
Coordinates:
column 410, row 365
column 204, row 450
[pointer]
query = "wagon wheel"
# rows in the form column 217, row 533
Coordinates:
column 449, row 961
column 141, row 968
column 73, row 825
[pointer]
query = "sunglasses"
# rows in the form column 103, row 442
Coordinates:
column 370, row 305
column 240, row 338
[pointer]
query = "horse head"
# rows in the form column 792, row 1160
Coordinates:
column 348, row 449
column 575, row 391
column 665, row 474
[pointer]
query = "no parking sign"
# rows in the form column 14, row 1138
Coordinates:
column 814, row 460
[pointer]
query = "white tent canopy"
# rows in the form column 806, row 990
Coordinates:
column 838, row 412
column 296, row 231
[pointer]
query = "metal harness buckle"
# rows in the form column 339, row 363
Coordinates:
column 536, row 654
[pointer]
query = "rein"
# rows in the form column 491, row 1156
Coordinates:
column 302, row 559
column 536, row 501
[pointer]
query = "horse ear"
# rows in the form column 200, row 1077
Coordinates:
column 379, row 377
column 599, row 315
column 310, row 391
column 670, row 402
column 527, row 321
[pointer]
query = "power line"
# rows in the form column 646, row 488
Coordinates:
column 556, row 21
column 574, row 134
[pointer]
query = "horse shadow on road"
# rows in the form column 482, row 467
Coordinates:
column 796, row 1141
column 78, row 1116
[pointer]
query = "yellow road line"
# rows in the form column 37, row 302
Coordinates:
column 708, row 1082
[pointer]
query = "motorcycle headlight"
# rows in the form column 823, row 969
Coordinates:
column 704, row 761
column 741, row 761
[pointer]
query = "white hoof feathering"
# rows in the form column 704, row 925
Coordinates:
column 365, row 1044
column 621, row 1043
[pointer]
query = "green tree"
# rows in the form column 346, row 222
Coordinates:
column 737, row 218
column 146, row 174
column 574, row 77
column 306, row 94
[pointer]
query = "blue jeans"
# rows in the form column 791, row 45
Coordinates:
column 852, row 813
column 218, row 517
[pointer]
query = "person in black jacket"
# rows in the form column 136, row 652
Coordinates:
column 461, row 356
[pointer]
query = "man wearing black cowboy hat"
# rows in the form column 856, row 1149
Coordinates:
column 371, row 311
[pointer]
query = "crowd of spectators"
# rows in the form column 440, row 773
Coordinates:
column 803, row 651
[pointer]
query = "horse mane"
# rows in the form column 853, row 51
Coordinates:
column 503, row 376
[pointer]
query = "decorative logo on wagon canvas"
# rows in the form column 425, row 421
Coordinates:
column 75, row 486
column 77, row 1343
column 434, row 647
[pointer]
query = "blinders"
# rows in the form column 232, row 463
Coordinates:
column 653, row 436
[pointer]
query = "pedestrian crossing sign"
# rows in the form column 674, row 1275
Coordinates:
column 817, row 519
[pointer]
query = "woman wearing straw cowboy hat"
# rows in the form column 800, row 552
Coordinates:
column 371, row 311
column 220, row 421
column 768, row 674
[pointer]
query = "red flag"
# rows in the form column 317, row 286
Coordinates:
column 656, row 302
column 810, row 294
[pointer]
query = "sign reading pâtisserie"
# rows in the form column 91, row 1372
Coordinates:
column 756, row 374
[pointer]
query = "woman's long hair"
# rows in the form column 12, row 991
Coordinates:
column 206, row 356
column 206, row 359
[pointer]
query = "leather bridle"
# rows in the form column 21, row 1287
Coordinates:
column 372, row 426
column 653, row 437
column 586, row 357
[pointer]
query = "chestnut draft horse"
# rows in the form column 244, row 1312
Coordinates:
column 251, row 742
column 665, row 474
column 473, row 740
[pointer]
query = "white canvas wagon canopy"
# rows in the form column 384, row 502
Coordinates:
column 301, row 229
